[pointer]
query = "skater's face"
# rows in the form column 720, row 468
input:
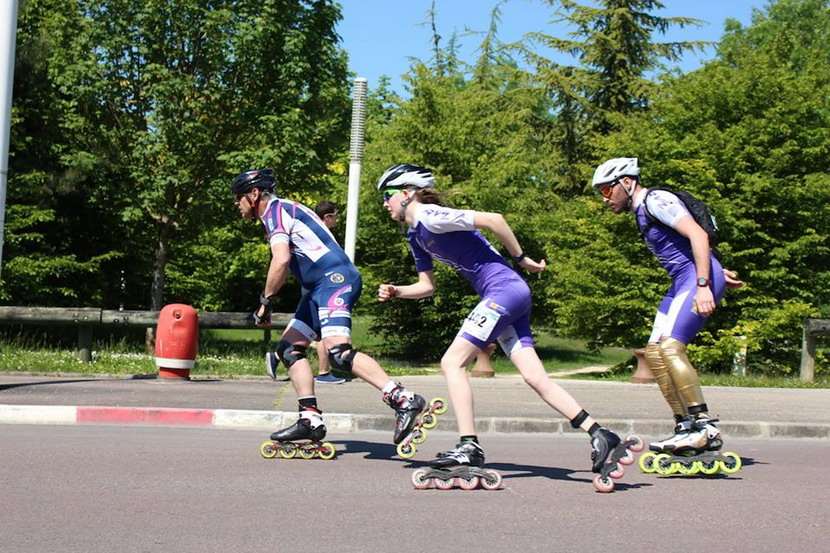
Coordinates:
column 392, row 202
column 246, row 203
column 615, row 194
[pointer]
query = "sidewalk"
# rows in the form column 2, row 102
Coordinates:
column 503, row 404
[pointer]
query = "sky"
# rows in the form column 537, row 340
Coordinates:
column 382, row 36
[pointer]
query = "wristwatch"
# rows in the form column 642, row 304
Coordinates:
column 518, row 258
column 702, row 281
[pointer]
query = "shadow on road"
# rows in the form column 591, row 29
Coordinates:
column 39, row 383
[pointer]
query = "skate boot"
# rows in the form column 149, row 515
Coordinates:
column 697, row 450
column 608, row 455
column 412, row 419
column 272, row 363
column 304, row 437
column 460, row 467
column 681, row 429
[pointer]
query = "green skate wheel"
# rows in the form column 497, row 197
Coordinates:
column 732, row 465
column 419, row 436
column 326, row 451
column 709, row 467
column 429, row 421
column 647, row 462
column 438, row 405
column 405, row 450
column 267, row 449
column 663, row 465
column 688, row 470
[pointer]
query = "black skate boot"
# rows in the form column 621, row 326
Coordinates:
column 304, row 438
column 465, row 453
column 608, row 454
column 302, row 430
column 459, row 467
column 406, row 412
column 603, row 442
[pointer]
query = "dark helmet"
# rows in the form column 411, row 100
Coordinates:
column 256, row 178
column 403, row 175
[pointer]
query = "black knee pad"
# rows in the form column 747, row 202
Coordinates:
column 289, row 353
column 341, row 357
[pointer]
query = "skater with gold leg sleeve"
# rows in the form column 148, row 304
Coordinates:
column 677, row 232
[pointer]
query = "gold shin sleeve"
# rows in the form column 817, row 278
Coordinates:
column 682, row 373
column 660, row 370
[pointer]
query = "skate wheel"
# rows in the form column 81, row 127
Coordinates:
column 647, row 462
column 617, row 473
column 438, row 405
column 287, row 452
column 420, row 481
column 626, row 459
column 732, row 464
column 429, row 421
column 709, row 467
column 491, row 481
column 419, row 436
column 663, row 466
column 444, row 484
column 688, row 470
column 406, row 450
column 307, row 453
column 603, row 485
column 466, row 484
column 326, row 451
column 637, row 444
column 267, row 449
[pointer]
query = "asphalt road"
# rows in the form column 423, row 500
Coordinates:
column 146, row 489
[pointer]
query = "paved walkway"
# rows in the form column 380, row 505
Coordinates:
column 503, row 404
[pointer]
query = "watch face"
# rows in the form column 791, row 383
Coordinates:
column 702, row 281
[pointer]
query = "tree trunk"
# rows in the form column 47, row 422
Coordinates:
column 157, row 289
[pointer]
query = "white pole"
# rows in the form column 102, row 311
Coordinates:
column 8, row 34
column 356, row 159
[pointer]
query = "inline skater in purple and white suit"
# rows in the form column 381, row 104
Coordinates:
column 452, row 236
column 698, row 283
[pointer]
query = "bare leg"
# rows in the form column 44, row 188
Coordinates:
column 322, row 359
column 533, row 372
column 458, row 383
column 363, row 365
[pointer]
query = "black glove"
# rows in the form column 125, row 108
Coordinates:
column 265, row 318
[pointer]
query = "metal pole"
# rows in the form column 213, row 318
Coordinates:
column 356, row 159
column 8, row 35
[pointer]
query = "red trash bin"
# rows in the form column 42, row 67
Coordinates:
column 177, row 341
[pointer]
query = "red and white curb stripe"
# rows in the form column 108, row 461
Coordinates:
column 160, row 416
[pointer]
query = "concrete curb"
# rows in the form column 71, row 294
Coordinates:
column 344, row 422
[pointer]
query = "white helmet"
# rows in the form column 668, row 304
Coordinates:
column 404, row 174
column 614, row 169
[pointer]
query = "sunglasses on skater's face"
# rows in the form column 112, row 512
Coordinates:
column 387, row 195
column 606, row 191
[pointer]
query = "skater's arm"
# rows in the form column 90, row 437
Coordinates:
column 496, row 223
column 277, row 273
column 424, row 288
column 699, row 240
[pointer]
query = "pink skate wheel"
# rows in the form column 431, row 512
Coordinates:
column 470, row 484
column 444, row 484
column 419, row 481
column 603, row 485
column 637, row 445
column 617, row 473
column 492, row 481
column 627, row 459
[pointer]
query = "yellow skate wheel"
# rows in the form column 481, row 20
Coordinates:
column 647, row 462
column 663, row 466
column 307, row 452
column 732, row 465
column 420, row 436
column 405, row 450
column 287, row 452
column 709, row 467
column 438, row 405
column 429, row 421
column 688, row 470
column 267, row 449
column 326, row 451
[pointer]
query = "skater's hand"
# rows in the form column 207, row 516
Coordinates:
column 704, row 304
column 386, row 292
column 262, row 314
column 532, row 266
column 731, row 278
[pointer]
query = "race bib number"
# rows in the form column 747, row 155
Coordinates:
column 481, row 322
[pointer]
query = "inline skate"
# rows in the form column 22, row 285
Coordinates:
column 413, row 417
column 608, row 454
column 694, row 449
column 303, row 438
column 460, row 467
